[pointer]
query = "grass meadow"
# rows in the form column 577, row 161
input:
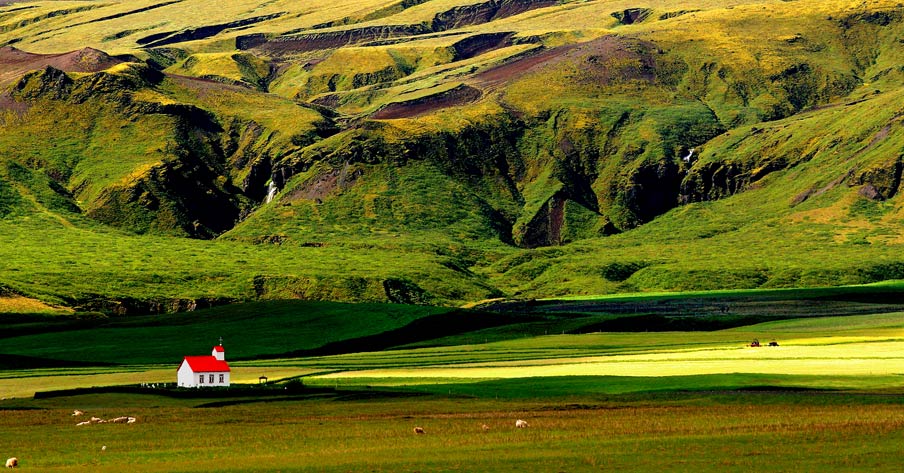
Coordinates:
column 827, row 398
column 779, row 432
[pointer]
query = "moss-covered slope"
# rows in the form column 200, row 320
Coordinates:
column 511, row 147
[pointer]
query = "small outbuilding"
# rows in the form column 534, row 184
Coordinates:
column 200, row 371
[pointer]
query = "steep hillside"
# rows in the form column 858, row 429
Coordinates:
column 447, row 151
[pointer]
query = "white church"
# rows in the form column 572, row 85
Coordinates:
column 201, row 371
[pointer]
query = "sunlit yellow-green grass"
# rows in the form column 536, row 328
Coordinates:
column 862, row 356
column 853, row 351
column 222, row 65
column 75, row 29
column 25, row 305
column 64, row 26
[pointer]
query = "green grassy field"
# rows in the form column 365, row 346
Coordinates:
column 627, row 195
column 781, row 432
column 828, row 397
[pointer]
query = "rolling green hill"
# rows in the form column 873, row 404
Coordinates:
column 160, row 156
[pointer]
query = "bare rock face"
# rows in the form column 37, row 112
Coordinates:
column 179, row 197
column 296, row 43
column 545, row 228
column 49, row 83
column 632, row 15
column 881, row 182
column 653, row 190
column 870, row 192
column 479, row 13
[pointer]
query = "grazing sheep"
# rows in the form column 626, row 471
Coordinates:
column 87, row 422
column 485, row 427
column 419, row 430
column 78, row 413
column 120, row 420
column 131, row 420
column 12, row 462
column 103, row 449
column 96, row 419
column 520, row 424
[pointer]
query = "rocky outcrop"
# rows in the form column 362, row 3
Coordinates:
column 51, row 83
column 675, row 14
column 193, row 34
column 478, row 44
column 485, row 12
column 403, row 291
column 466, row 15
column 330, row 287
column 180, row 197
column 458, row 95
column 545, row 228
column 882, row 181
column 134, row 306
column 713, row 181
column 631, row 16
column 650, row 191
column 288, row 44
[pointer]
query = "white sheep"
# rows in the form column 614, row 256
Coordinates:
column 131, row 420
column 87, row 422
column 520, row 424
column 120, row 420
column 12, row 462
column 78, row 413
column 419, row 430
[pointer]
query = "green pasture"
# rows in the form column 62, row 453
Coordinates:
column 783, row 432
column 631, row 401
column 850, row 352
column 249, row 330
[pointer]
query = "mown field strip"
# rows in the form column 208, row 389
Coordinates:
column 863, row 358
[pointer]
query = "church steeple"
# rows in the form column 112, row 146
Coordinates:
column 218, row 351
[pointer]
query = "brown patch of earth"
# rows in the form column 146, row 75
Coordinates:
column 601, row 61
column 329, row 101
column 325, row 184
column 459, row 95
column 8, row 104
column 14, row 63
column 519, row 66
column 204, row 86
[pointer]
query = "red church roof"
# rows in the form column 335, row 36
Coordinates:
column 206, row 364
column 218, row 348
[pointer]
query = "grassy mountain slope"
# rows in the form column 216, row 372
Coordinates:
column 446, row 151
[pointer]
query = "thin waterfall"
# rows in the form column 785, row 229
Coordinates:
column 271, row 192
column 690, row 154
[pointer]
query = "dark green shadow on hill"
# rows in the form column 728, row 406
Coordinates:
column 17, row 362
column 146, row 397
